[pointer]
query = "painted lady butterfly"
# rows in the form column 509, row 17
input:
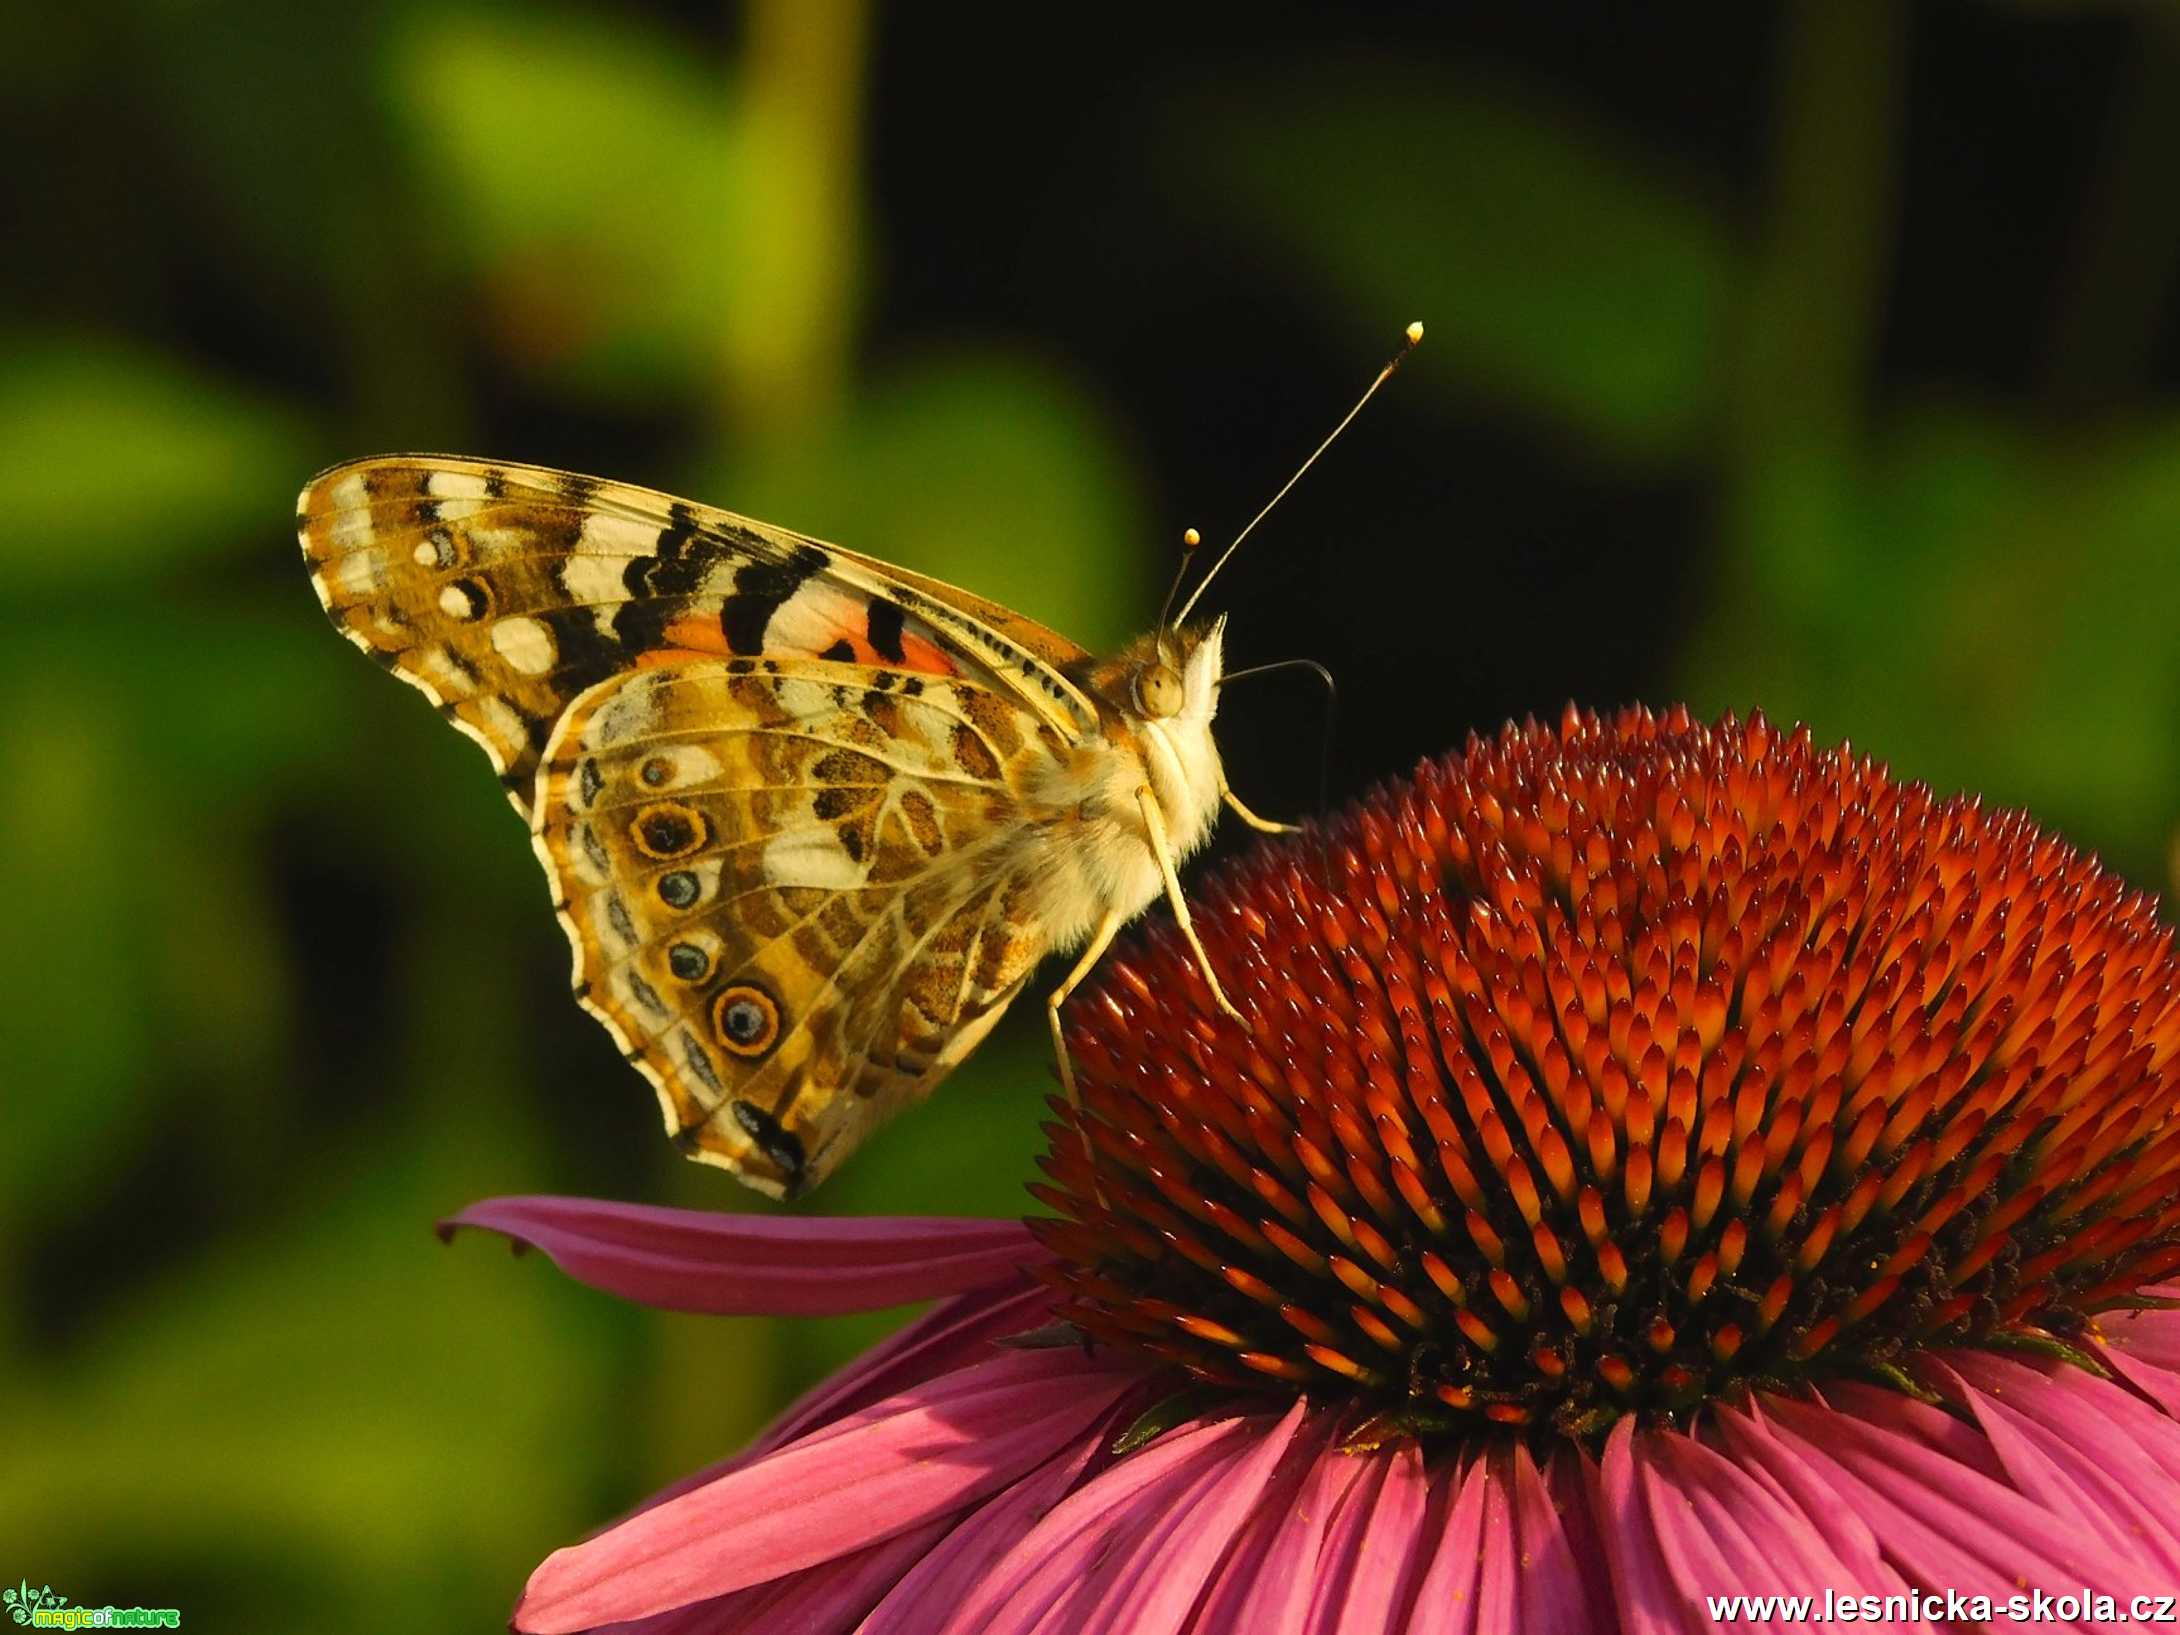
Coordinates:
column 810, row 820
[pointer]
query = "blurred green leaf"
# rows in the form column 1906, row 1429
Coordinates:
column 328, row 1394
column 1940, row 600
column 1554, row 266
column 115, row 460
column 587, row 168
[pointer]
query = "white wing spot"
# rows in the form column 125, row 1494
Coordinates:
column 594, row 581
column 351, row 522
column 355, row 577
column 525, row 643
column 811, row 857
column 454, row 485
column 446, row 678
column 457, row 603
column 610, row 536
column 501, row 720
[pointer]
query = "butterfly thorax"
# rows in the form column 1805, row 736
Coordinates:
column 1108, row 864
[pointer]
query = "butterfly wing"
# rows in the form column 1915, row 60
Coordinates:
column 835, row 828
column 504, row 591
column 796, row 895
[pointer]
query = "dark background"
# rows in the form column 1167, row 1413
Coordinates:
column 1817, row 357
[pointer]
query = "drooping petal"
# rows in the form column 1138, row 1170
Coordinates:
column 1376, row 1554
column 1276, row 1597
column 1944, row 1524
column 956, row 1333
column 1153, row 1578
column 742, row 1265
column 961, row 1331
column 826, row 1599
column 1333, row 1575
column 1807, row 1491
column 1649, row 1603
column 954, row 1566
column 1447, row 1600
column 1051, row 1563
column 1236, row 1577
column 2144, row 1346
column 1722, row 1532
column 2081, row 1447
column 1555, row 1588
column 881, row 1471
column 1567, row 1486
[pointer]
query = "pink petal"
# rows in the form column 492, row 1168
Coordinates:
column 1333, row 1575
column 825, row 1600
column 1721, row 1531
column 1944, row 1525
column 1649, row 1602
column 1555, row 1586
column 2144, row 1346
column 949, row 1336
column 1376, row 1553
column 1153, row 1580
column 1446, row 1598
column 750, row 1265
column 1051, row 1563
column 961, row 1331
column 1498, row 1570
column 878, row 1472
column 1236, row 1577
column 2081, row 1447
column 1566, row 1481
column 1942, row 1433
column 1808, row 1492
column 958, row 1562
column 1264, row 1587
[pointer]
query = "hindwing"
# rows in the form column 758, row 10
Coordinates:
column 796, row 892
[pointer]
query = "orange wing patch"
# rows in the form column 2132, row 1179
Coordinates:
column 819, row 622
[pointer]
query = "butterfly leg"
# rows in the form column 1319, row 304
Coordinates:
column 1262, row 825
column 1154, row 824
column 1100, row 940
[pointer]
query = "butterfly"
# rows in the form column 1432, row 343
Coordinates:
column 810, row 820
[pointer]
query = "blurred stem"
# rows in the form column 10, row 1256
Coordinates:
column 2112, row 303
column 787, row 340
column 1809, row 328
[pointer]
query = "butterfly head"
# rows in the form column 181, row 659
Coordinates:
column 1173, row 674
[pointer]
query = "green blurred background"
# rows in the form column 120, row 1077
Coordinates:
column 1819, row 357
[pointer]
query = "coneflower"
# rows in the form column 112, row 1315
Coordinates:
column 1662, row 1162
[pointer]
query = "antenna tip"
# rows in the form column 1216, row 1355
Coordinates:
column 1415, row 333
column 1190, row 539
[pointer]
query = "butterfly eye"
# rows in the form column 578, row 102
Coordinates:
column 746, row 1019
column 1158, row 691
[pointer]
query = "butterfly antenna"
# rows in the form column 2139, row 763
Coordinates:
column 1408, row 345
column 1190, row 539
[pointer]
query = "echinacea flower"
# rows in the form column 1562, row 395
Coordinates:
column 1662, row 1162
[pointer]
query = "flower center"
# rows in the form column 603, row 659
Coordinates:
column 1618, row 1068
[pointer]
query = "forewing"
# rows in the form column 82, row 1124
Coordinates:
column 504, row 591
column 795, row 899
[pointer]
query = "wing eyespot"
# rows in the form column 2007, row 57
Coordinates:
column 668, row 829
column 746, row 1021
column 679, row 889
